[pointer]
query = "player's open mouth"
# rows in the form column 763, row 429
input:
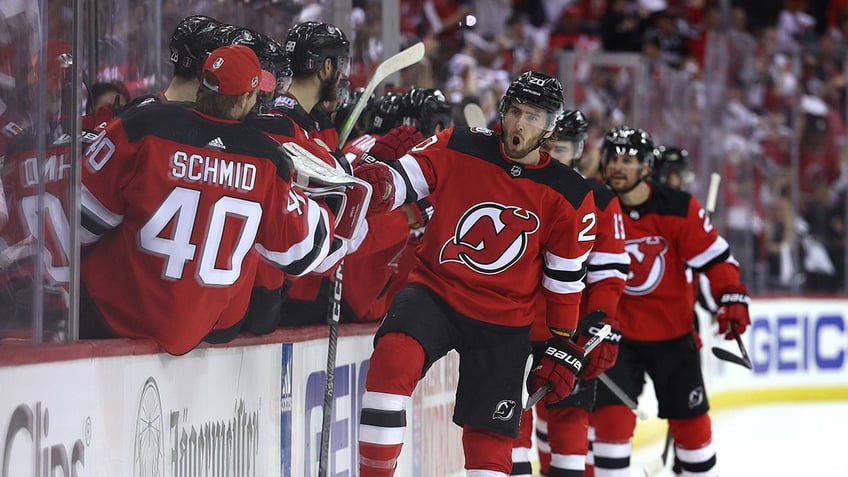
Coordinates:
column 516, row 140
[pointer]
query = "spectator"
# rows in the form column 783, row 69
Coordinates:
column 199, row 170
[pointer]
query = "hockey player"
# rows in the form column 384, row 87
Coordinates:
column 380, row 268
column 671, row 166
column 319, row 55
column 512, row 227
column 188, row 49
column 667, row 230
column 180, row 197
column 561, row 428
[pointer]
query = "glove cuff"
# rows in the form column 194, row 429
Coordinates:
column 564, row 353
column 734, row 295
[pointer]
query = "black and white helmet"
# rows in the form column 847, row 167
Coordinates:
column 539, row 90
column 668, row 160
column 186, row 44
column 628, row 141
column 308, row 44
column 426, row 108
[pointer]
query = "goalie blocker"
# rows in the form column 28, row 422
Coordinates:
column 347, row 196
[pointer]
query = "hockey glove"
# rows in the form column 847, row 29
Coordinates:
column 604, row 355
column 733, row 309
column 558, row 367
column 419, row 213
column 395, row 143
column 382, row 185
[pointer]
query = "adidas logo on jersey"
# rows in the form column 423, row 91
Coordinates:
column 216, row 143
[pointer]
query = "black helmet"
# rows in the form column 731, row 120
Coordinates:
column 536, row 89
column 628, row 141
column 572, row 127
column 308, row 44
column 668, row 159
column 425, row 108
column 187, row 42
column 387, row 113
column 346, row 108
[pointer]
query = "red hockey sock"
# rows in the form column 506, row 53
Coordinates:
column 377, row 460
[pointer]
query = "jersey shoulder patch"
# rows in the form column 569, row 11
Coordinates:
column 481, row 143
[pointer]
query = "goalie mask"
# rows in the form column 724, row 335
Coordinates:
column 186, row 45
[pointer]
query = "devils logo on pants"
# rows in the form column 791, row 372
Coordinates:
column 490, row 237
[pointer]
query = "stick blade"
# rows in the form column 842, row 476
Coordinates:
column 474, row 116
column 725, row 355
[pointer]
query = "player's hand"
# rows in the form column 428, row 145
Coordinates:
column 382, row 185
column 395, row 143
column 733, row 310
column 418, row 213
column 558, row 367
column 604, row 355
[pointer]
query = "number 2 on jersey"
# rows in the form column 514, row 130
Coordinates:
column 180, row 207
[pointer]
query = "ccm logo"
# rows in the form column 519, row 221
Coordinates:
column 564, row 357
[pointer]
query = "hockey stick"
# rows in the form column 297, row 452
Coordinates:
column 721, row 353
column 622, row 396
column 590, row 345
column 391, row 65
column 333, row 315
column 725, row 355
column 474, row 116
column 656, row 466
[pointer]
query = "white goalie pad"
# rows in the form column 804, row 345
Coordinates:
column 346, row 195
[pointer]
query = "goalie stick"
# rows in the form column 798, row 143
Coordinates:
column 721, row 353
column 590, row 345
column 393, row 64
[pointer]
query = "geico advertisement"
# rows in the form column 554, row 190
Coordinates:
column 432, row 443
column 205, row 413
column 791, row 342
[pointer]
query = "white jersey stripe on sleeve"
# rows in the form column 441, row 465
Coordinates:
column 557, row 263
column 594, row 276
column 560, row 287
column 716, row 249
column 316, row 215
column 98, row 210
column 415, row 175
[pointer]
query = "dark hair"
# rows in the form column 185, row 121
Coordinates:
column 211, row 103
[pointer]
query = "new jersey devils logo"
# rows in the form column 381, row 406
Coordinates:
column 504, row 410
column 490, row 237
column 647, row 264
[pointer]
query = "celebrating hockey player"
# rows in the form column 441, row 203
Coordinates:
column 512, row 227
column 667, row 230
column 561, row 428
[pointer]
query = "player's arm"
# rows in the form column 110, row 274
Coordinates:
column 108, row 165
column 608, row 263
column 406, row 180
column 565, row 257
column 297, row 232
column 705, row 251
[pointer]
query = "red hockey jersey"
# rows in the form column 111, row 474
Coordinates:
column 664, row 235
column 503, row 233
column 607, row 265
column 178, row 200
